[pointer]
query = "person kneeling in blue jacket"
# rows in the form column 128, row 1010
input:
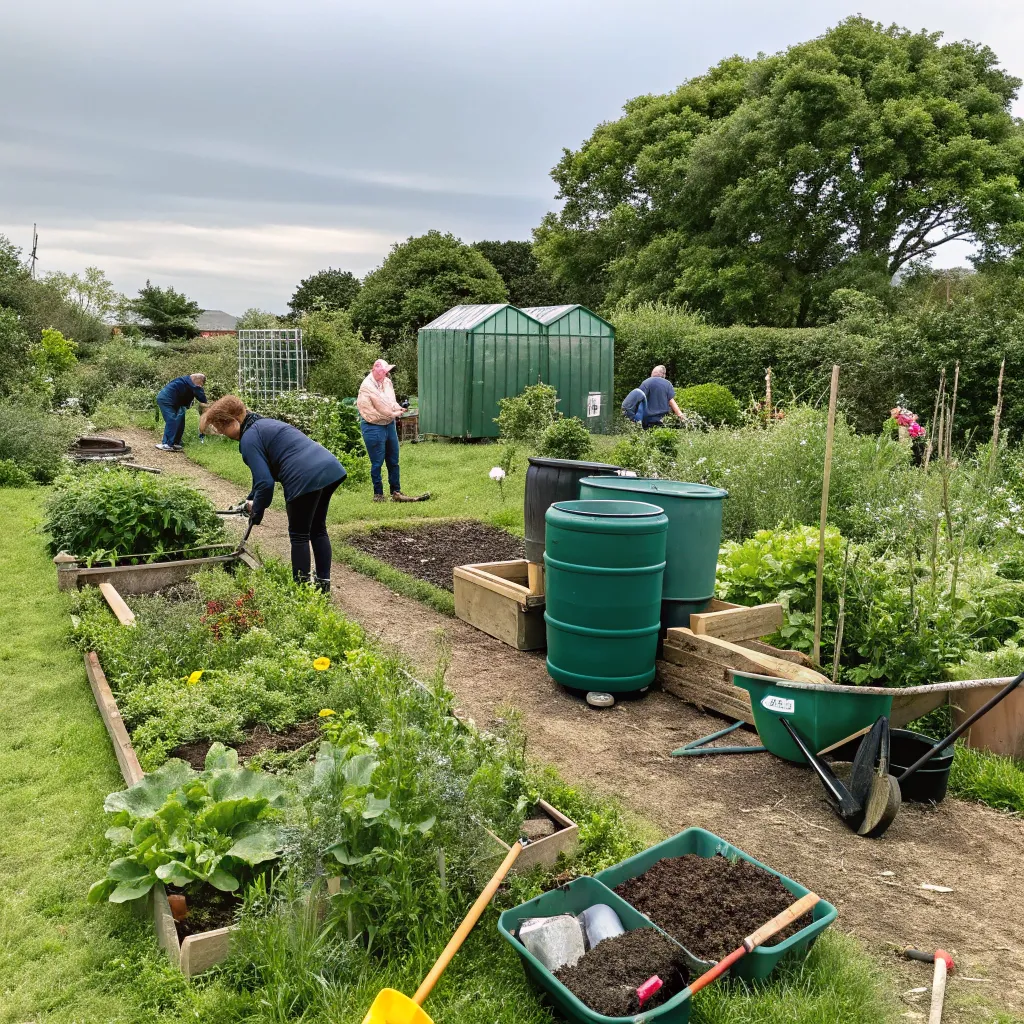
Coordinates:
column 308, row 472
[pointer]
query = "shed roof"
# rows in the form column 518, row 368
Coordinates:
column 549, row 314
column 216, row 320
column 466, row 318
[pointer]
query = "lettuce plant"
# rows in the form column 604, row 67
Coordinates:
column 184, row 828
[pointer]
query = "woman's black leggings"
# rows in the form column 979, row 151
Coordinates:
column 307, row 525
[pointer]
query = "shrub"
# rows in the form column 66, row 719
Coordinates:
column 566, row 439
column 711, row 402
column 12, row 475
column 111, row 513
column 36, row 440
column 327, row 421
column 648, row 453
column 524, row 418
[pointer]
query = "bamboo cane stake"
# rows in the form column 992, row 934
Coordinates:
column 952, row 411
column 995, row 422
column 820, row 575
column 935, row 420
column 769, row 411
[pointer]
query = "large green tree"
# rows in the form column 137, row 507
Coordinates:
column 326, row 290
column 420, row 279
column 165, row 314
column 527, row 283
column 92, row 292
column 757, row 189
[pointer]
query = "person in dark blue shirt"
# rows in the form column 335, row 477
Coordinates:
column 661, row 398
column 173, row 399
column 308, row 473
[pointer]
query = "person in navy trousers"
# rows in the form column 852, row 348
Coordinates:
column 277, row 452
column 173, row 399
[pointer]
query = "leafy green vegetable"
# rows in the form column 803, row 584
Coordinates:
column 183, row 827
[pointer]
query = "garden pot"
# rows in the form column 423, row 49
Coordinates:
column 931, row 780
column 1001, row 731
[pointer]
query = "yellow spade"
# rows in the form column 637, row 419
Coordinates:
column 391, row 1007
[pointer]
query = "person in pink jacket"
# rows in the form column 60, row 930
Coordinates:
column 378, row 412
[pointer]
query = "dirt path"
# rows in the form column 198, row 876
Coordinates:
column 767, row 807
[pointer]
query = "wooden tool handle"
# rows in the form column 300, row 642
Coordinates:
column 766, row 931
column 938, row 991
column 467, row 925
column 777, row 923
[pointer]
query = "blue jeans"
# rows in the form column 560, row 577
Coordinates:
column 382, row 445
column 174, row 422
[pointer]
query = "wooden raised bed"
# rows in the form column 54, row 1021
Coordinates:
column 196, row 953
column 544, row 852
column 148, row 577
column 496, row 597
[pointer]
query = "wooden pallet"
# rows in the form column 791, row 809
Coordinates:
column 496, row 598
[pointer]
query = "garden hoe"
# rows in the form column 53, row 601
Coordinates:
column 943, row 966
column 390, row 1006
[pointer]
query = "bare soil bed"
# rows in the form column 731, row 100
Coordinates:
column 432, row 551
column 258, row 740
column 207, row 910
column 607, row 977
column 709, row 904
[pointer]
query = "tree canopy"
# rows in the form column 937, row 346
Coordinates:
column 754, row 191
column 166, row 314
column 93, row 292
column 327, row 290
column 527, row 283
column 420, row 279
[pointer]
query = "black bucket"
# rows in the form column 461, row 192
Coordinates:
column 929, row 782
column 548, row 481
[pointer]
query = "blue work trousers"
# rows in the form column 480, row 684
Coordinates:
column 174, row 422
column 382, row 445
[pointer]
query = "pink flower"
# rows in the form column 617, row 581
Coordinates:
column 915, row 430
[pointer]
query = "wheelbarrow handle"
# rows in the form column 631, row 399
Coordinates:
column 467, row 924
column 963, row 726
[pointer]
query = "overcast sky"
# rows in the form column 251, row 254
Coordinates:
column 231, row 148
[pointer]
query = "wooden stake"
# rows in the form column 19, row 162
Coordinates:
column 820, row 575
column 952, row 411
column 995, row 422
column 769, row 410
column 935, row 419
column 842, row 617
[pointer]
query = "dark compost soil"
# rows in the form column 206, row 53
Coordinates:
column 257, row 740
column 709, row 904
column 606, row 978
column 431, row 552
column 207, row 909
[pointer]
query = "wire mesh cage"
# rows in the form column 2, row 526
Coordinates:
column 270, row 362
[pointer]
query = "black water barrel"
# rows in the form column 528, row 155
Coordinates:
column 929, row 782
column 548, row 481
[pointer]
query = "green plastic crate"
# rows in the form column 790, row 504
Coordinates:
column 822, row 717
column 574, row 898
column 759, row 962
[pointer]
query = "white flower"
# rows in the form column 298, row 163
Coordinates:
column 803, row 442
column 497, row 473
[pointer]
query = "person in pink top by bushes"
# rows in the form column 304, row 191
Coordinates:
column 378, row 413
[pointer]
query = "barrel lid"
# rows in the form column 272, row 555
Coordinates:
column 536, row 460
column 609, row 508
column 651, row 486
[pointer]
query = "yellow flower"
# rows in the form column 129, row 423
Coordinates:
column 327, row 712
column 322, row 664
column 195, row 677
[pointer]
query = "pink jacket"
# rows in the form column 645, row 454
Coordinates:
column 377, row 403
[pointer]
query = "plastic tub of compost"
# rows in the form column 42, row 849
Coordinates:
column 760, row 962
column 574, row 898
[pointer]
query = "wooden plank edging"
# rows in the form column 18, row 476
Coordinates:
column 124, row 614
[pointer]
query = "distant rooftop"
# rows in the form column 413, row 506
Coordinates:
column 216, row 320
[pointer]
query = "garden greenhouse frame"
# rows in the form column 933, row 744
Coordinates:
column 271, row 362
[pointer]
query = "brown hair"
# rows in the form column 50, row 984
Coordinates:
column 222, row 412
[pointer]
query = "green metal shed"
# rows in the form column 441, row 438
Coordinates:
column 581, row 352
column 469, row 359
